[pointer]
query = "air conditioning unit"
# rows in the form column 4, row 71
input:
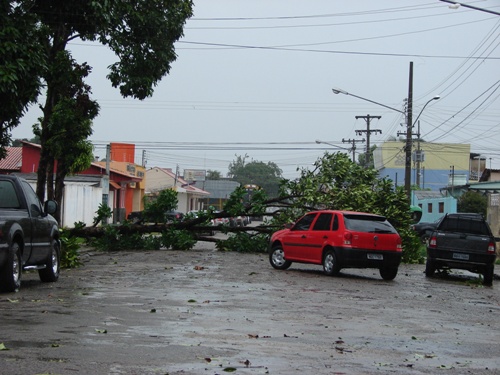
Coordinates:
column 132, row 185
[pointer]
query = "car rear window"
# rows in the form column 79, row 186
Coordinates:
column 368, row 223
column 465, row 225
column 8, row 196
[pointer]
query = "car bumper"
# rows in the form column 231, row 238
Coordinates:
column 361, row 258
column 474, row 262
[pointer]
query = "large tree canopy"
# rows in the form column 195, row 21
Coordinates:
column 141, row 33
column 21, row 63
column 265, row 175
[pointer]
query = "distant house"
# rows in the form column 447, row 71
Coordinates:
column 122, row 160
column 83, row 193
column 435, row 165
column 433, row 204
column 13, row 161
column 189, row 197
column 219, row 190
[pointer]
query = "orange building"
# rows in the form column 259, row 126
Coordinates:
column 122, row 159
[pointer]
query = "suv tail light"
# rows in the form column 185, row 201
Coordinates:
column 347, row 238
column 433, row 241
column 491, row 248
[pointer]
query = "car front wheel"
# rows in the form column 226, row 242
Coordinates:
column 51, row 272
column 277, row 258
column 10, row 273
column 330, row 264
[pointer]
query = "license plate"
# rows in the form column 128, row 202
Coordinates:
column 460, row 256
column 375, row 256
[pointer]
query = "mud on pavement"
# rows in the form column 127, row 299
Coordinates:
column 209, row 312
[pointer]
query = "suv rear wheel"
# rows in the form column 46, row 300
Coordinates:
column 488, row 275
column 430, row 267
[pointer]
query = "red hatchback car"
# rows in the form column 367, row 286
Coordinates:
column 339, row 239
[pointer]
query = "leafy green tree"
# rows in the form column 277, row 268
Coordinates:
column 338, row 183
column 362, row 157
column 267, row 176
column 213, row 175
column 472, row 201
column 69, row 125
column 141, row 33
column 156, row 207
column 22, row 60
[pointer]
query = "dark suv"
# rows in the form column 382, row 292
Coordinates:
column 339, row 239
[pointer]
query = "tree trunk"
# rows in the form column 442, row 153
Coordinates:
column 59, row 190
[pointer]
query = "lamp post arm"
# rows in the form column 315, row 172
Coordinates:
column 422, row 110
column 471, row 7
column 337, row 91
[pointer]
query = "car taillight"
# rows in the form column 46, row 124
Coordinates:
column 399, row 245
column 491, row 248
column 347, row 238
column 433, row 242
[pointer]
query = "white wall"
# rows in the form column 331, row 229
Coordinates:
column 80, row 203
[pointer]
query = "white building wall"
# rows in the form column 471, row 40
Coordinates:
column 80, row 203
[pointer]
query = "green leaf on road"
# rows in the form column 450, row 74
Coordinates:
column 2, row 346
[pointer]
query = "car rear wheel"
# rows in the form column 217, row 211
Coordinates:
column 10, row 274
column 330, row 264
column 388, row 273
column 277, row 258
column 430, row 267
column 51, row 272
column 488, row 275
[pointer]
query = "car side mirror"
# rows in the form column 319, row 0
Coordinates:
column 288, row 225
column 50, row 207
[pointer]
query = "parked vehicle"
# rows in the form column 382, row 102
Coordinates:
column 29, row 235
column 337, row 240
column 462, row 241
column 425, row 229
column 239, row 221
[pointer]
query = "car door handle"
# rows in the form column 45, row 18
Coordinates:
column 325, row 237
column 304, row 236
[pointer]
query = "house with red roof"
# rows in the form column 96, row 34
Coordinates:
column 13, row 161
column 83, row 193
column 189, row 196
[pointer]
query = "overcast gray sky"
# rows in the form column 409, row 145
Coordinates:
column 256, row 78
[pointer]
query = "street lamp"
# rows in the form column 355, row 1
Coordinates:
column 339, row 91
column 409, row 126
column 331, row 144
column 437, row 97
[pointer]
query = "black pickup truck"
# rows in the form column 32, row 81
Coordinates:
column 462, row 241
column 29, row 235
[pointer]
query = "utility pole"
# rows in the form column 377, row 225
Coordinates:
column 368, row 131
column 353, row 148
column 409, row 125
column 418, row 156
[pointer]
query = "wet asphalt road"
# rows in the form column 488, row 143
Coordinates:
column 207, row 312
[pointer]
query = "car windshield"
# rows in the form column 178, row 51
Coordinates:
column 368, row 223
